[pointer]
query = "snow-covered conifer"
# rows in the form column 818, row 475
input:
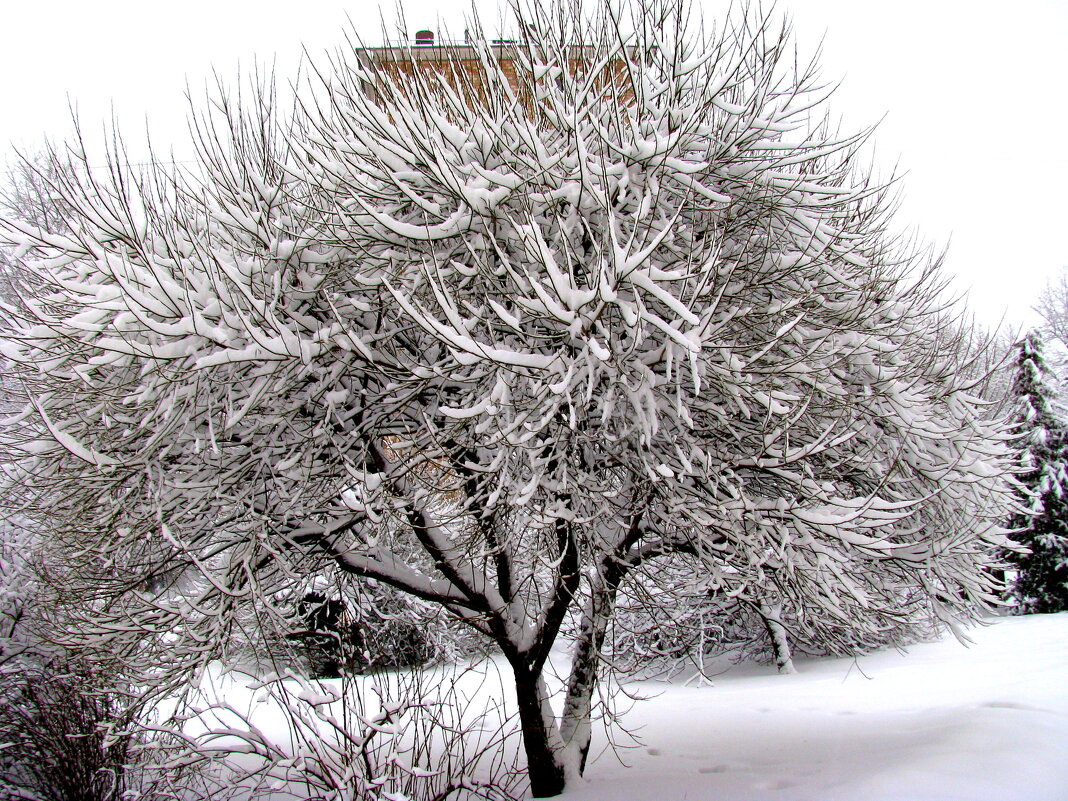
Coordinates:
column 502, row 343
column 1042, row 575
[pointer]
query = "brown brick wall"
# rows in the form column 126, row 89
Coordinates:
column 463, row 70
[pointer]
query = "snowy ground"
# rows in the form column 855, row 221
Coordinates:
column 941, row 723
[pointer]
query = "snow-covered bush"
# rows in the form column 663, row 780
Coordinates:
column 360, row 625
column 57, row 740
column 68, row 721
column 501, row 340
column 416, row 735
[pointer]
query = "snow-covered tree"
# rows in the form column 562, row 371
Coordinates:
column 502, row 341
column 1052, row 305
column 1042, row 574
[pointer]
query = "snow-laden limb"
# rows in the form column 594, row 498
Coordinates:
column 505, row 344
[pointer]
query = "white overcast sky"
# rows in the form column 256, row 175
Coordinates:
column 974, row 97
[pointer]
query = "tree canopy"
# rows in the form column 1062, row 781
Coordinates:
column 502, row 343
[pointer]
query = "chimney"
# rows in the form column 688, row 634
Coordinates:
column 424, row 38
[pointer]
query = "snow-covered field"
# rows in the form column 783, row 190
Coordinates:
column 941, row 723
column 944, row 722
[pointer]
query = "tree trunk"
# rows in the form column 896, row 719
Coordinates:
column 575, row 730
column 546, row 773
column 578, row 704
column 780, row 643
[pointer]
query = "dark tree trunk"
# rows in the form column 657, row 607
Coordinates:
column 546, row 773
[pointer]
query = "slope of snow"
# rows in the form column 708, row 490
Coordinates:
column 940, row 723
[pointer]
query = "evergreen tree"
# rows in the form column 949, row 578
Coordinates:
column 1042, row 578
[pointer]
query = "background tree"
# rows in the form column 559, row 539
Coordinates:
column 501, row 344
column 1042, row 579
column 1052, row 305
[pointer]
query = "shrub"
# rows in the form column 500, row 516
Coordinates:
column 64, row 734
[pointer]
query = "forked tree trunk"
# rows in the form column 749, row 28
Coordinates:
column 544, row 768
